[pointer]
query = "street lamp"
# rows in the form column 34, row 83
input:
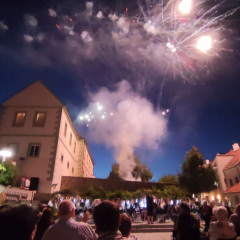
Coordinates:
column 4, row 154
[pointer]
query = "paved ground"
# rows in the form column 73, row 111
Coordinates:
column 154, row 236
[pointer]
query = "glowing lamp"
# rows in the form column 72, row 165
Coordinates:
column 185, row 6
column 4, row 154
column 204, row 44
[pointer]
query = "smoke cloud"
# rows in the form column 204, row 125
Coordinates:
column 128, row 122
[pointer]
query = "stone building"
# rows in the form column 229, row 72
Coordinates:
column 36, row 127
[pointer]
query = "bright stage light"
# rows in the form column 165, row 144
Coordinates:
column 204, row 44
column 185, row 6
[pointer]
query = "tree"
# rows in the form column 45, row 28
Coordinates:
column 195, row 177
column 141, row 171
column 114, row 174
column 173, row 192
column 171, row 179
column 8, row 175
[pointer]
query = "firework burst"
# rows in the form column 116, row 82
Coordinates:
column 185, row 33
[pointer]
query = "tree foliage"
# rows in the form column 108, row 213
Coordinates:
column 172, row 192
column 8, row 175
column 114, row 174
column 171, row 179
column 195, row 177
column 141, row 171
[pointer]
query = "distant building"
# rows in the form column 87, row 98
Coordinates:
column 36, row 126
column 228, row 169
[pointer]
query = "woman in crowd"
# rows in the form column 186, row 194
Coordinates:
column 221, row 228
column 44, row 223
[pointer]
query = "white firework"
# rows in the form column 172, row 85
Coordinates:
column 187, row 34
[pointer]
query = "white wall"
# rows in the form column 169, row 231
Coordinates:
column 67, row 151
column 221, row 162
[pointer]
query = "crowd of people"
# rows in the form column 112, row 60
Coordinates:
column 111, row 223
column 26, row 223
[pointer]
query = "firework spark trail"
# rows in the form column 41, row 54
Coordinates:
column 159, row 37
column 180, row 35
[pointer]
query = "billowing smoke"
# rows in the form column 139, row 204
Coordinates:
column 124, row 121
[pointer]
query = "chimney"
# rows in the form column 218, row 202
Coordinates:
column 235, row 147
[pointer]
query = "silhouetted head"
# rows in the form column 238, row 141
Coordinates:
column 237, row 209
column 184, row 208
column 18, row 223
column 106, row 217
column 220, row 213
column 125, row 225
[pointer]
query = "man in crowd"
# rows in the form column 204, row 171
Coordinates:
column 206, row 214
column 149, row 200
column 67, row 227
column 106, row 217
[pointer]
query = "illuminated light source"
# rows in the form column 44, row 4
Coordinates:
column 171, row 47
column 219, row 197
column 4, row 154
column 81, row 117
column 185, row 6
column 212, row 197
column 204, row 44
column 86, row 116
column 99, row 107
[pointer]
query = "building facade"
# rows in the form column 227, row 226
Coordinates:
column 36, row 127
column 228, row 169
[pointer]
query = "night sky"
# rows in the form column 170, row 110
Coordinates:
column 44, row 40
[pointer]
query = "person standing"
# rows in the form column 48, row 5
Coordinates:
column 187, row 226
column 221, row 229
column 149, row 200
column 67, row 227
column 206, row 215
column 235, row 219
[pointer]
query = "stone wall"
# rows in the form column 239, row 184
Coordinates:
column 81, row 185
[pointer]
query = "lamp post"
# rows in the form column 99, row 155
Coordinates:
column 4, row 154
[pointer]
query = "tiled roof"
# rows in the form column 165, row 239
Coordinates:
column 234, row 161
column 233, row 189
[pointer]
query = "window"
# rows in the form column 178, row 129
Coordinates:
column 65, row 130
column 67, row 165
column 231, row 182
column 70, row 141
column 74, row 147
column 34, row 150
column 236, row 179
column 39, row 119
column 19, row 119
column 72, row 170
column 61, row 158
